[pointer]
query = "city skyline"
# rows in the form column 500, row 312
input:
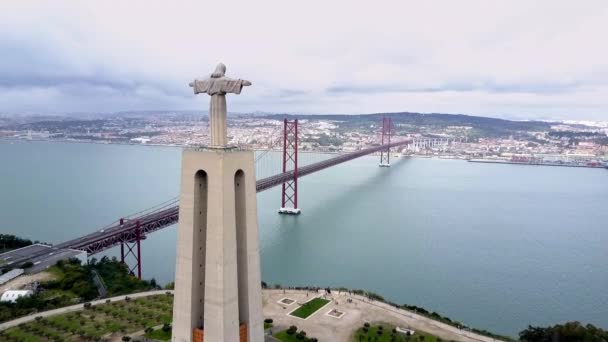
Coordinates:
column 510, row 60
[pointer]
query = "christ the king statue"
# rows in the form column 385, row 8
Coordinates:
column 217, row 86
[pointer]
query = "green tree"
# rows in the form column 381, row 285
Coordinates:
column 570, row 331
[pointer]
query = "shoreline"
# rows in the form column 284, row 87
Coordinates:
column 491, row 161
column 398, row 155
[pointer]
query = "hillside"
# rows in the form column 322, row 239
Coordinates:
column 413, row 122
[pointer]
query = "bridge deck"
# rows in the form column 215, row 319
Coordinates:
column 114, row 235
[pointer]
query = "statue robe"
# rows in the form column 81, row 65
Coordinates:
column 217, row 86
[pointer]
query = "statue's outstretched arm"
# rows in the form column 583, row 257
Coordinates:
column 246, row 83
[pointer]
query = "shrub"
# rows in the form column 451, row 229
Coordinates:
column 38, row 318
column 87, row 305
column 149, row 330
column 126, row 338
column 366, row 324
column 166, row 327
column 108, row 301
column 292, row 330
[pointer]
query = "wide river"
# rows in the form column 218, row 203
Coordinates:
column 497, row 247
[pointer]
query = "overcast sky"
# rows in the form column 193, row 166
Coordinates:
column 512, row 59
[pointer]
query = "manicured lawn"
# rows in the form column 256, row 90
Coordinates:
column 160, row 335
column 285, row 337
column 91, row 324
column 309, row 307
column 387, row 335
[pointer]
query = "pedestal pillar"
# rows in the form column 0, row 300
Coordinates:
column 217, row 280
column 217, row 121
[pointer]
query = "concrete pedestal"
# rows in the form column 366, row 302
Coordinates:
column 217, row 279
column 290, row 211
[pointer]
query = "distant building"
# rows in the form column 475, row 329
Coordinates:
column 12, row 295
column 141, row 140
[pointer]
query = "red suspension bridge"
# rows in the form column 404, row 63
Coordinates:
column 128, row 232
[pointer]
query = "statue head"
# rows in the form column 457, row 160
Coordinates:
column 220, row 71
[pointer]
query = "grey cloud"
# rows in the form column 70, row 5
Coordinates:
column 65, row 56
column 490, row 87
column 291, row 92
column 28, row 64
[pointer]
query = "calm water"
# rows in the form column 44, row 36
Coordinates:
column 495, row 246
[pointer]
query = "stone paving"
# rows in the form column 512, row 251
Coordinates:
column 357, row 312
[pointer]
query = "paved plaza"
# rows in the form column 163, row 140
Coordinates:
column 356, row 312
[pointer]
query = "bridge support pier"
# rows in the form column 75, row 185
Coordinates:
column 289, row 193
column 122, row 245
column 385, row 156
column 133, row 249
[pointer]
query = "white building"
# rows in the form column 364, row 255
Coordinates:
column 141, row 140
column 13, row 295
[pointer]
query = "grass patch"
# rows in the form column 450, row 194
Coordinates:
column 309, row 307
column 384, row 333
column 160, row 335
column 292, row 335
column 285, row 337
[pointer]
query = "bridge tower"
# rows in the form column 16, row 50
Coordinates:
column 133, row 250
column 218, row 292
column 289, row 190
column 385, row 155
